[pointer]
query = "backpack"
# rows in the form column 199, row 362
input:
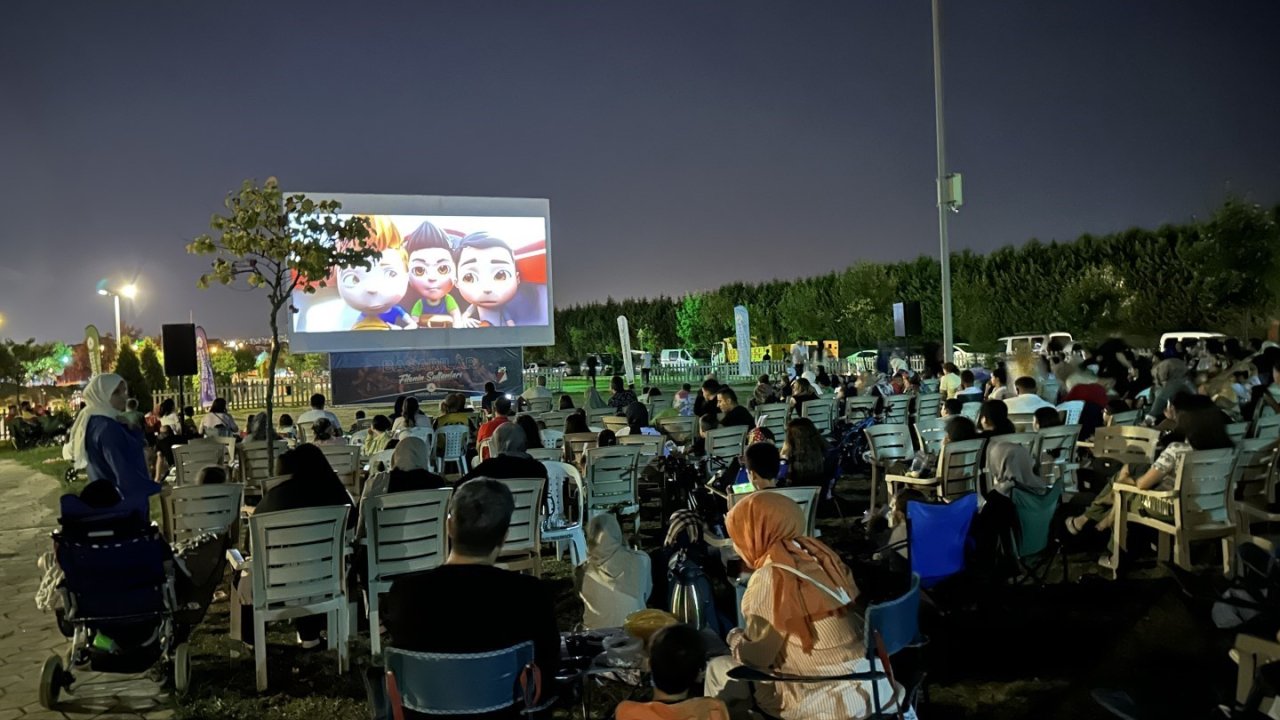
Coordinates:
column 692, row 600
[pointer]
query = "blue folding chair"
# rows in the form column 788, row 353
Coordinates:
column 893, row 626
column 463, row 683
column 937, row 535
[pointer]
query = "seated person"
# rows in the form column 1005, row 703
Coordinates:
column 616, row 580
column 677, row 656
column 409, row 463
column 952, row 407
column 378, row 437
column 1046, row 417
column 763, row 461
column 706, row 423
column 323, row 432
column 512, row 461
column 733, row 414
column 637, row 421
column 484, row 607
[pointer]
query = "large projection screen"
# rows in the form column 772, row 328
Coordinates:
column 454, row 272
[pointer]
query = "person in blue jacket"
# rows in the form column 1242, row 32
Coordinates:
column 110, row 449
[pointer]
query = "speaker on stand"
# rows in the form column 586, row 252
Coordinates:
column 179, row 344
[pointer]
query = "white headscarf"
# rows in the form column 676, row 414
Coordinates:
column 97, row 403
column 410, row 454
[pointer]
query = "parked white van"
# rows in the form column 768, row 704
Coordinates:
column 675, row 358
column 1034, row 342
column 1168, row 337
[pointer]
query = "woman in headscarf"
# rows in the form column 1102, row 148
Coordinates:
column 1170, row 377
column 109, row 449
column 409, row 471
column 616, row 580
column 798, row 622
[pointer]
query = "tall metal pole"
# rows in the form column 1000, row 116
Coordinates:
column 948, row 339
column 116, row 297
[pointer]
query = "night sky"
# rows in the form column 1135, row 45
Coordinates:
column 682, row 144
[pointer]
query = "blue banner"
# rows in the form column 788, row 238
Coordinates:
column 379, row 377
column 207, row 390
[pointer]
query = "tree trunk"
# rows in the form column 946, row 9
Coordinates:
column 271, row 385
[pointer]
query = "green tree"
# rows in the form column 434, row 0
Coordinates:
column 280, row 244
column 245, row 360
column 128, row 367
column 224, row 366
column 152, row 369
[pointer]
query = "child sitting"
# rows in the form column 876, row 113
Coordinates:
column 677, row 656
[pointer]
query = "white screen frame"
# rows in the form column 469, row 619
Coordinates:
column 436, row 338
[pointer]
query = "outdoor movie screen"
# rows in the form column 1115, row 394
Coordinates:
column 454, row 272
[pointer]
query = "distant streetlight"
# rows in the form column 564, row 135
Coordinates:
column 129, row 291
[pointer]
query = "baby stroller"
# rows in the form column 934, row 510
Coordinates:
column 118, row 598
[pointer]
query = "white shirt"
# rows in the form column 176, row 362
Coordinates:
column 313, row 415
column 400, row 424
column 172, row 422
column 646, row 361
column 799, row 355
column 1026, row 404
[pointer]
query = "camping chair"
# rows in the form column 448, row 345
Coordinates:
column 774, row 417
column 897, row 409
column 888, row 444
column 1055, row 451
column 1266, row 427
column 893, row 626
column 1034, row 545
column 451, row 684
column 345, row 461
column 189, row 458
column 1200, row 497
column 929, row 433
column 194, row 510
column 859, row 407
column 723, row 446
column 405, row 534
column 1253, row 478
column 611, row 481
column 297, row 569
column 455, row 448
column 522, row 548
column 557, row 527
column 1073, row 409
column 936, row 537
column 820, row 412
column 959, row 471
column 928, row 406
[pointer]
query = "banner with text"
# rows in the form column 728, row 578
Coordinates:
column 742, row 326
column 207, row 390
column 624, row 340
column 93, row 345
column 429, row 375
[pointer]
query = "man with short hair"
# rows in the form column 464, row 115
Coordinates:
column 706, row 400
column 734, row 414
column 763, row 462
column 799, row 356
column 512, row 460
column 501, row 416
column 968, row 392
column 490, row 396
column 317, row 411
column 468, row 605
column 764, row 393
column 1026, row 402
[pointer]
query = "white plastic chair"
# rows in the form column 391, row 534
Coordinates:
column 1267, row 427
column 1238, row 431
column 971, row 410
column 455, row 448
column 1055, row 451
column 859, row 407
column 381, row 461
column 522, row 548
column 805, row 497
column 545, row 454
column 1253, row 479
column 928, row 406
column 539, row 405
column 405, row 534
column 358, row 437
column 552, row 438
column 888, row 444
column 253, row 468
column 680, row 429
column 773, row 416
column 723, row 446
column 1072, row 408
column 297, row 569
column 422, row 432
column 596, row 416
column 614, row 423
column 1126, row 444
column 193, row 510
column 1201, row 500
column 929, row 433
column 189, row 458
column 959, row 470
column 557, row 527
column 612, row 480
column 345, row 461
column 897, row 409
column 820, row 413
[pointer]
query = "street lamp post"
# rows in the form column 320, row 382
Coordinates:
column 945, row 202
column 129, row 291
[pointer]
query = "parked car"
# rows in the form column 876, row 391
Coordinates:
column 605, row 364
column 1034, row 342
column 675, row 358
column 1184, row 336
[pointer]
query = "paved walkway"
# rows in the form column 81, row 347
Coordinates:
column 28, row 636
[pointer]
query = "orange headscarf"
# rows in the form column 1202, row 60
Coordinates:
column 769, row 526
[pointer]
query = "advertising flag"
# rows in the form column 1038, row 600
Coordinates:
column 93, row 344
column 742, row 325
column 624, row 336
column 207, row 390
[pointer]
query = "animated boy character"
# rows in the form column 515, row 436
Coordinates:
column 488, row 279
column 377, row 289
column 432, row 272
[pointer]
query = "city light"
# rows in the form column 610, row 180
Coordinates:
column 130, row 291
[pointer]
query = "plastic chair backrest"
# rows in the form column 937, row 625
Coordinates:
column 971, row 410
column 552, row 438
column 807, row 499
column 1027, row 440
column 1060, row 439
column 298, row 556
column 928, row 405
column 578, row 443
column 253, row 460
column 929, row 433
column 381, row 461
column 1126, row 418
column 725, row 444
column 1267, row 427
column 897, row 621
column 820, row 413
column 545, row 453
column 1035, row 518
column 406, row 533
column 345, row 461
column 889, row 442
column 611, row 475
column 194, row 510
column 303, row 431
column 958, row 468
column 524, row 532
column 774, row 417
column 458, row 683
column 614, row 423
column 650, row 445
column 455, row 440
column 1253, row 470
column 1238, row 431
column 189, row 458
column 679, row 429
column 897, row 409
column 1072, row 408
column 358, row 438
column 539, row 405
column 1023, row 422
column 937, row 534
column 423, row 432
column 1203, row 483
column 1126, row 443
column 560, row 474
column 596, row 416
column 858, row 407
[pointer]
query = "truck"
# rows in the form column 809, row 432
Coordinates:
column 726, row 351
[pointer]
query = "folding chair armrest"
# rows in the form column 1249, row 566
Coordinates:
column 910, row 480
column 1135, row 490
column 1085, row 444
column 751, row 674
column 238, row 562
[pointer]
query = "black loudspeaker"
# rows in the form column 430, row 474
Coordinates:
column 906, row 318
column 179, row 350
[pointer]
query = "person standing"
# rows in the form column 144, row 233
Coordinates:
column 592, row 364
column 799, row 356
column 646, row 367
column 108, row 448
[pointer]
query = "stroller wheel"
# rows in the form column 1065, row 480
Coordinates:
column 52, row 679
column 70, row 475
column 182, row 668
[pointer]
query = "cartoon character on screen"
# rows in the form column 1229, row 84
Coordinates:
column 377, row 289
column 432, row 273
column 489, row 280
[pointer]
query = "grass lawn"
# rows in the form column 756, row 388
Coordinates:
column 47, row 460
